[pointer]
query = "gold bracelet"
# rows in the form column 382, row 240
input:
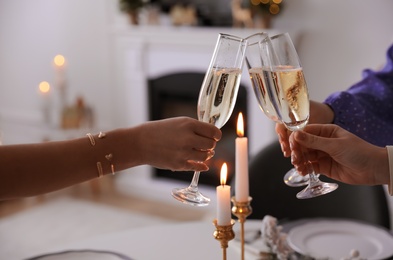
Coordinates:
column 100, row 171
column 101, row 135
column 109, row 157
column 99, row 166
column 91, row 138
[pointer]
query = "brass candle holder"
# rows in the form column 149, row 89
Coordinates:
column 224, row 234
column 241, row 210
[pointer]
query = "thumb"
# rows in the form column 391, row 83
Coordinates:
column 312, row 141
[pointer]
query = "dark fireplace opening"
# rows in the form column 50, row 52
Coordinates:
column 177, row 95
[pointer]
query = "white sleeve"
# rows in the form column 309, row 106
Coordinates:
column 390, row 155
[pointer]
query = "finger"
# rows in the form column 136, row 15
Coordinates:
column 196, row 166
column 201, row 156
column 302, row 167
column 295, row 148
column 322, row 130
column 209, row 131
column 205, row 144
column 283, row 139
column 311, row 141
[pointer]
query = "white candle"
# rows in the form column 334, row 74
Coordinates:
column 241, row 189
column 223, row 199
column 59, row 62
column 44, row 89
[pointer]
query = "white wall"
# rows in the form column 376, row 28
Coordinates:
column 32, row 33
column 340, row 38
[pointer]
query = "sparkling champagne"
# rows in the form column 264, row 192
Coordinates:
column 291, row 97
column 218, row 95
column 262, row 81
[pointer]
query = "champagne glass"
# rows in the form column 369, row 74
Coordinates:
column 217, row 99
column 289, row 96
column 259, row 45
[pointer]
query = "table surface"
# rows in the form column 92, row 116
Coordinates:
column 186, row 240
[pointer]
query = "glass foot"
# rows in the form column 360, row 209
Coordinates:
column 317, row 189
column 191, row 197
column 293, row 179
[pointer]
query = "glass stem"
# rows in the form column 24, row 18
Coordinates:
column 313, row 178
column 194, row 183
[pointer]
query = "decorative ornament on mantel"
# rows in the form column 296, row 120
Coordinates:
column 264, row 11
column 132, row 8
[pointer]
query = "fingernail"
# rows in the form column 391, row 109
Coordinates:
column 293, row 158
column 284, row 150
column 217, row 138
column 211, row 153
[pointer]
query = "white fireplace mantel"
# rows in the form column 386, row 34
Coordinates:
column 149, row 52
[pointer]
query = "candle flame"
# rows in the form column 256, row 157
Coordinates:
column 44, row 87
column 223, row 174
column 59, row 60
column 240, row 125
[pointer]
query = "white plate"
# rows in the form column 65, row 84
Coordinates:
column 334, row 239
column 82, row 255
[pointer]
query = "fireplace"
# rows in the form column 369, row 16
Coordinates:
column 177, row 95
column 144, row 54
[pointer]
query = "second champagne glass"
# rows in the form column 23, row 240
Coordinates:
column 289, row 95
column 257, row 61
column 217, row 99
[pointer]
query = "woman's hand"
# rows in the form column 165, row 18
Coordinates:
column 340, row 155
column 178, row 144
column 320, row 113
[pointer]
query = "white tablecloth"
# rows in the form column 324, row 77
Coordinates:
column 189, row 240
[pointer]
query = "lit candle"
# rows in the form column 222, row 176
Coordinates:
column 241, row 189
column 59, row 62
column 44, row 89
column 223, row 199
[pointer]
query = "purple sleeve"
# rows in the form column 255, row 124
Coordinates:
column 366, row 108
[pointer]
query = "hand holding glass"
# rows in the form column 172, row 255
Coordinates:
column 259, row 46
column 217, row 99
column 289, row 96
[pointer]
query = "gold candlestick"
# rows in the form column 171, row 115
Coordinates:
column 241, row 210
column 224, row 234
